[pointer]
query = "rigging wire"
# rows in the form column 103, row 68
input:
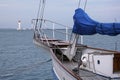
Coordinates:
column 42, row 12
column 79, row 3
column 43, row 8
column 39, row 9
column 85, row 5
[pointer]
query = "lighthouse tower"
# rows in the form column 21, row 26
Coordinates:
column 19, row 25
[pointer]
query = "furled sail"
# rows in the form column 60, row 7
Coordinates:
column 84, row 25
column 111, row 29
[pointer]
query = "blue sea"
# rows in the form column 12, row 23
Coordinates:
column 20, row 59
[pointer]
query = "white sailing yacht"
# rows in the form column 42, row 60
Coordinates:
column 72, row 60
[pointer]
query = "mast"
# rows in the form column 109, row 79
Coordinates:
column 70, row 53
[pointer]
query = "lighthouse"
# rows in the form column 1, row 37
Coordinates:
column 19, row 25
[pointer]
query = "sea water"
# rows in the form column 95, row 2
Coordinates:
column 20, row 59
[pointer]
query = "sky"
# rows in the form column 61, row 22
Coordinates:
column 61, row 11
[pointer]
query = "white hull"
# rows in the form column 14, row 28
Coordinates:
column 61, row 71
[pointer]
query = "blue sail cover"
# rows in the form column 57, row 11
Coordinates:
column 84, row 25
column 111, row 29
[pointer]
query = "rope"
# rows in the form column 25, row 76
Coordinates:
column 16, row 71
column 85, row 5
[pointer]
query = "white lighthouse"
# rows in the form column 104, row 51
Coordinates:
column 19, row 25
